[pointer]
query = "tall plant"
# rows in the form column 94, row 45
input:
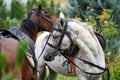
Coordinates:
column 17, row 10
column 49, row 6
column 3, row 14
column 12, row 17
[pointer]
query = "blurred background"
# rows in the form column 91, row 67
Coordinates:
column 103, row 15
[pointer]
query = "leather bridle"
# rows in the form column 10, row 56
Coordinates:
column 64, row 32
column 41, row 16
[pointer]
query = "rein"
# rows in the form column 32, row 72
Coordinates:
column 87, row 62
column 57, row 48
column 44, row 46
column 64, row 32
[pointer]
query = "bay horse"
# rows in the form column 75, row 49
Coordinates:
column 86, row 61
column 36, row 21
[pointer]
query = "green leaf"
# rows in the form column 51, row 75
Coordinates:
column 22, row 47
column 2, row 61
column 100, row 3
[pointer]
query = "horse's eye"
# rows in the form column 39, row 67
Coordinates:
column 54, row 36
column 49, row 15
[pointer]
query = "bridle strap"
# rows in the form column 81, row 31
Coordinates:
column 44, row 46
column 39, row 23
column 64, row 32
column 47, row 20
column 54, row 47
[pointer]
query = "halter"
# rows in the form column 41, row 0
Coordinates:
column 41, row 16
column 64, row 32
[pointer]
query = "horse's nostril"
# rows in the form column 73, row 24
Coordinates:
column 50, row 57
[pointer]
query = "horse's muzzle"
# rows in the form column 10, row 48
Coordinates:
column 49, row 57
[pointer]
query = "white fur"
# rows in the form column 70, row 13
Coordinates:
column 61, row 15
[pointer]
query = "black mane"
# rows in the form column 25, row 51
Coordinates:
column 29, row 26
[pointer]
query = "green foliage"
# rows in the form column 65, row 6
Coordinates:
column 9, row 76
column 103, row 15
column 17, row 10
column 2, row 61
column 3, row 14
column 108, row 29
column 61, row 77
column 116, row 68
column 12, row 17
column 3, row 11
column 10, row 22
column 21, row 51
column 51, row 10
column 29, row 5
column 50, row 7
column 85, row 8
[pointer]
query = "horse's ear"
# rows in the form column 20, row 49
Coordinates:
column 61, row 22
column 61, row 15
column 34, row 6
column 39, row 8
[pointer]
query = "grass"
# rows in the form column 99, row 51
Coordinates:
column 61, row 77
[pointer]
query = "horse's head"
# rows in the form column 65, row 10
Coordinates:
column 58, row 40
column 37, row 20
column 41, row 18
column 73, row 32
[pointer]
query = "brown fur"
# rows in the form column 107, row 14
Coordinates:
column 9, row 47
column 23, row 72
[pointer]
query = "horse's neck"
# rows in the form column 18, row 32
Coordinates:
column 40, row 43
column 33, row 35
column 90, row 48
